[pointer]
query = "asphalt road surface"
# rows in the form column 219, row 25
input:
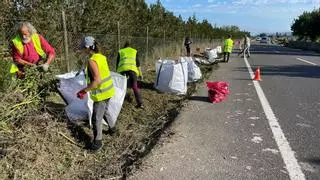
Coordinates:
column 263, row 130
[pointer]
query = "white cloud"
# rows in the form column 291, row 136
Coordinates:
column 197, row 6
column 213, row 5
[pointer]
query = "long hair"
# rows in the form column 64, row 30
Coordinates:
column 32, row 30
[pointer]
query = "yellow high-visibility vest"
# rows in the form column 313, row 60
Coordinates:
column 228, row 45
column 17, row 42
column 128, row 60
column 105, row 89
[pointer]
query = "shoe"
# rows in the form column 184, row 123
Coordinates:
column 96, row 145
column 140, row 106
column 112, row 131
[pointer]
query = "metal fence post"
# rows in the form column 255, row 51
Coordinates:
column 65, row 36
column 147, row 50
column 118, row 35
column 164, row 38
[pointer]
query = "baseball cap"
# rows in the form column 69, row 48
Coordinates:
column 87, row 42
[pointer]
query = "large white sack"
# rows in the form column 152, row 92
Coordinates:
column 219, row 49
column 172, row 77
column 211, row 54
column 70, row 84
column 78, row 109
column 164, row 73
column 194, row 72
column 115, row 103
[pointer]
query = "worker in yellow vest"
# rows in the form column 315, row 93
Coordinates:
column 129, row 65
column 30, row 49
column 227, row 50
column 100, row 86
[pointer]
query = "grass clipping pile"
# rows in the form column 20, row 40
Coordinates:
column 41, row 144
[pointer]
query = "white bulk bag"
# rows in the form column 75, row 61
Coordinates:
column 219, row 49
column 171, row 76
column 211, row 54
column 194, row 72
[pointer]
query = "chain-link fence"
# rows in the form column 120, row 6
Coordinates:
column 68, row 56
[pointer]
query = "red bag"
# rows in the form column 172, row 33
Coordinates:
column 218, row 91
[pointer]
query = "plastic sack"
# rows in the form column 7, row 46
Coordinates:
column 211, row 54
column 217, row 91
column 171, row 76
column 69, row 85
column 115, row 103
column 194, row 72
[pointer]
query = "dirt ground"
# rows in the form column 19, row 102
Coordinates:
column 47, row 146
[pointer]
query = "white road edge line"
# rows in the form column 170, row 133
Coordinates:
column 292, row 165
column 306, row 61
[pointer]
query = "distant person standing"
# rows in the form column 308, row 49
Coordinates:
column 228, row 45
column 187, row 43
column 246, row 49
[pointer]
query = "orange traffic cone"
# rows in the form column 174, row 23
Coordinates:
column 257, row 75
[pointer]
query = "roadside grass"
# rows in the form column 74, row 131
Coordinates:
column 37, row 142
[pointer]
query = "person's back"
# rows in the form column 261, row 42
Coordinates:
column 128, row 64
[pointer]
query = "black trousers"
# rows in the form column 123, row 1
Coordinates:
column 226, row 54
column 188, row 51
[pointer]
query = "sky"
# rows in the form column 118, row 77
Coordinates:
column 255, row 16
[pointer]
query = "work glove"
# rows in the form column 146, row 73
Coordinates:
column 81, row 94
column 44, row 67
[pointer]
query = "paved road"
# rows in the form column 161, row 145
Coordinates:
column 272, row 134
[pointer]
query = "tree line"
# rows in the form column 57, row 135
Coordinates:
column 307, row 25
column 102, row 17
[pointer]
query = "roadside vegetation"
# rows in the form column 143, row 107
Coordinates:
column 307, row 26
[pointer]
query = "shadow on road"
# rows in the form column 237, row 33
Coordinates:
column 291, row 53
column 306, row 71
column 200, row 98
column 314, row 161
